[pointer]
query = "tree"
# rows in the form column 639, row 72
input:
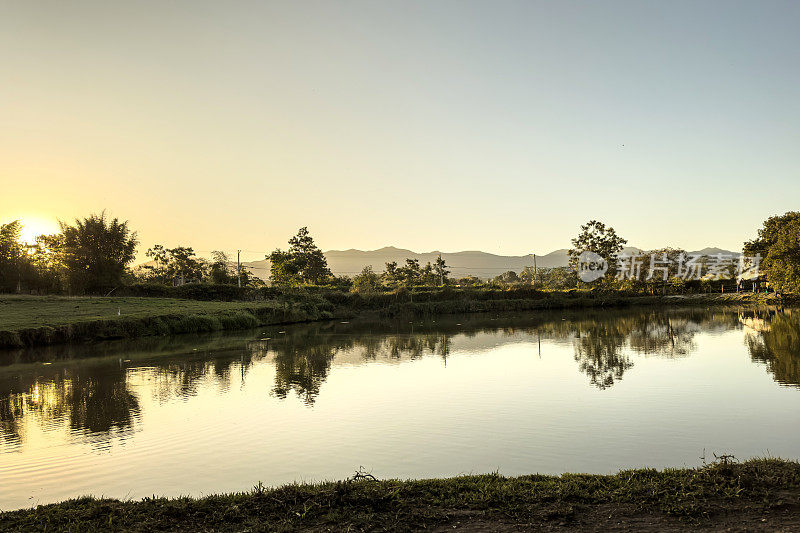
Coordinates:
column 304, row 262
column 598, row 238
column 11, row 255
column 218, row 270
column 427, row 275
column 96, row 252
column 185, row 265
column 507, row 278
column 47, row 269
column 410, row 274
column 440, row 271
column 29, row 266
column 175, row 265
column 367, row 281
column 391, row 274
column 655, row 268
column 469, row 281
column 778, row 243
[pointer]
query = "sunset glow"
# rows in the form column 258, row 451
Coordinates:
column 33, row 226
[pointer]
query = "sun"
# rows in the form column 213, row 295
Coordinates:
column 32, row 227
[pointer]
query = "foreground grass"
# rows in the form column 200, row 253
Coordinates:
column 763, row 492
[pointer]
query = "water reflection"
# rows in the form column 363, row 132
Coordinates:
column 602, row 347
column 89, row 399
column 773, row 338
column 97, row 390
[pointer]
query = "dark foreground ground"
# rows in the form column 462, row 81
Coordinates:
column 757, row 495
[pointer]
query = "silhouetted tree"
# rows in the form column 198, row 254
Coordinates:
column 11, row 256
column 96, row 252
column 174, row 265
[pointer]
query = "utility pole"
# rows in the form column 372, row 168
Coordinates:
column 238, row 268
column 534, row 270
column 441, row 279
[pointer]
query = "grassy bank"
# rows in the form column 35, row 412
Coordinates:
column 40, row 320
column 757, row 494
column 32, row 320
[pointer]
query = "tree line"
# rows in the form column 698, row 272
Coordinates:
column 94, row 255
column 777, row 247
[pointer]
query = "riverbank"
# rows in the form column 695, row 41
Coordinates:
column 759, row 494
column 41, row 320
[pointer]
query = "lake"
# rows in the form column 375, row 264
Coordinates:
column 590, row 391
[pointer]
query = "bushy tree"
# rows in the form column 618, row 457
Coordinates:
column 507, row 277
column 96, row 252
column 598, row 238
column 552, row 278
column 778, row 243
column 48, row 272
column 410, row 274
column 303, row 263
column 469, row 281
column 391, row 274
column 367, row 281
column 174, row 265
column 219, row 271
column 651, row 276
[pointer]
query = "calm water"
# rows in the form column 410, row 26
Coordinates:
column 588, row 391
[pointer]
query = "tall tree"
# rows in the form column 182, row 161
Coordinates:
column 219, row 271
column 304, row 262
column 440, row 271
column 96, row 252
column 778, row 243
column 598, row 238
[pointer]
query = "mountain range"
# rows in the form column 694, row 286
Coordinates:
column 468, row 263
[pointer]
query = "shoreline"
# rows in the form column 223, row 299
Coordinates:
column 760, row 494
column 153, row 316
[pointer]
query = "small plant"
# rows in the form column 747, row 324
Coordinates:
column 361, row 474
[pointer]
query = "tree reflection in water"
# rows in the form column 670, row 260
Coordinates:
column 90, row 399
column 101, row 395
column 773, row 339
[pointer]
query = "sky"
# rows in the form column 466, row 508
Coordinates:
column 446, row 125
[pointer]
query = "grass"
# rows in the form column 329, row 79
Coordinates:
column 32, row 320
column 18, row 312
column 39, row 320
column 760, row 491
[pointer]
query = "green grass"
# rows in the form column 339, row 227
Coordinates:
column 37, row 320
column 32, row 320
column 705, row 496
column 19, row 312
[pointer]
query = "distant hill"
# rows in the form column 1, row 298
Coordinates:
column 468, row 263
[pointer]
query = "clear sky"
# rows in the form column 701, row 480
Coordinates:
column 449, row 125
